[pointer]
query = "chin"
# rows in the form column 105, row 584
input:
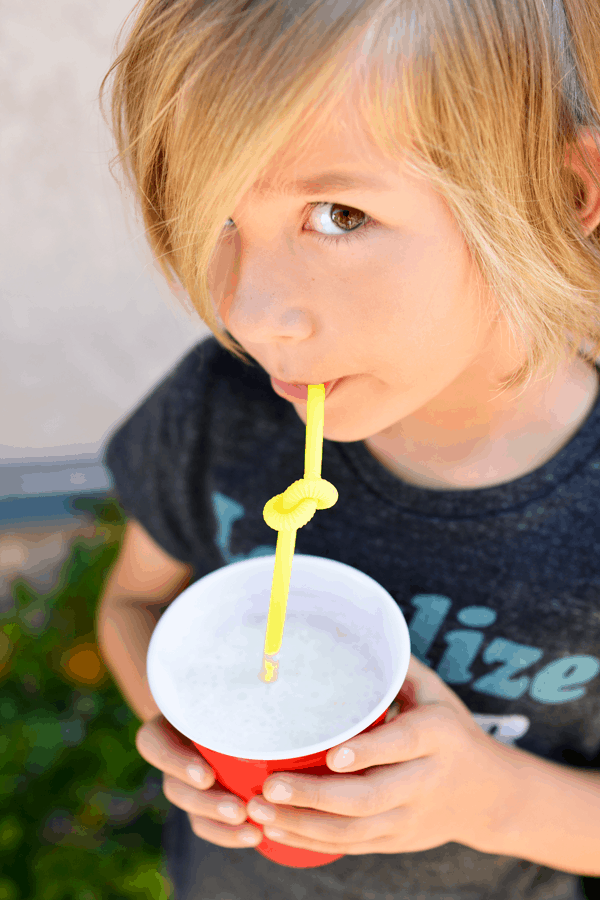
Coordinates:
column 341, row 427
column 345, row 436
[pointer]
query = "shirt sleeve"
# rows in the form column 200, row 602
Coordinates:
column 159, row 458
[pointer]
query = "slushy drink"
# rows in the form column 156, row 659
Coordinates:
column 328, row 681
column 343, row 659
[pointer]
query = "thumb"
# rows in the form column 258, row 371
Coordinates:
column 422, row 686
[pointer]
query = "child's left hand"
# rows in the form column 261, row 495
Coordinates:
column 432, row 776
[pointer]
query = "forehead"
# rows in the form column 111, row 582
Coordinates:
column 332, row 151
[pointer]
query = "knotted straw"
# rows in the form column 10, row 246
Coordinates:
column 286, row 513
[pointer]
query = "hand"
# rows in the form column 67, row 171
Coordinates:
column 433, row 776
column 165, row 748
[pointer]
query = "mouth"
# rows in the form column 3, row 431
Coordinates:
column 299, row 392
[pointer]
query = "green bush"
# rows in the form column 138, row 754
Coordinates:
column 81, row 812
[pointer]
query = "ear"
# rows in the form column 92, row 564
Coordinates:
column 588, row 207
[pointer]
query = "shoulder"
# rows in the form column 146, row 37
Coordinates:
column 207, row 391
column 211, row 390
column 197, row 371
column 207, row 372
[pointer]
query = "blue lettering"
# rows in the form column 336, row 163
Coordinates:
column 559, row 681
column 432, row 609
column 476, row 616
column 227, row 512
column 516, row 658
column 262, row 550
column 463, row 647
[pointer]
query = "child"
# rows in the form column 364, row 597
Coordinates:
column 401, row 199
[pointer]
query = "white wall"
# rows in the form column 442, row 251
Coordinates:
column 88, row 324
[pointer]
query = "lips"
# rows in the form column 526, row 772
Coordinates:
column 298, row 391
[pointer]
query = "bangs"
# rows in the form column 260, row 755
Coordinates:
column 482, row 99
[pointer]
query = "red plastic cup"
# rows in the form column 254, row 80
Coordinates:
column 245, row 777
column 334, row 590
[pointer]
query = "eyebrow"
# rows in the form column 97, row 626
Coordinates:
column 321, row 184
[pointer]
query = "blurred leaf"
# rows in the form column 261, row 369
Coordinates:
column 9, row 890
column 148, row 882
column 11, row 833
column 67, row 736
column 104, row 509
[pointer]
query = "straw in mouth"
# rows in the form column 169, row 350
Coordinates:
column 299, row 391
column 287, row 517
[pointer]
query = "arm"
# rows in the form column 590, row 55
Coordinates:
column 556, row 821
column 432, row 776
column 143, row 580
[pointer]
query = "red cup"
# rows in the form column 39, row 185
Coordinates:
column 245, row 778
column 194, row 622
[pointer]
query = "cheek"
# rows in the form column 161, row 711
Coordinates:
column 431, row 305
column 223, row 274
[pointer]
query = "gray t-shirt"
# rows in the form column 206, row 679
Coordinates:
column 500, row 587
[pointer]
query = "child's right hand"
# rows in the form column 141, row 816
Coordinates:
column 163, row 747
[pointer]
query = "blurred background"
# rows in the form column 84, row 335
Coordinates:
column 88, row 324
column 88, row 327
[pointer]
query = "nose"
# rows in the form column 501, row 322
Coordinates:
column 258, row 318
column 260, row 302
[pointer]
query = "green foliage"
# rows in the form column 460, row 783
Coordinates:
column 81, row 812
column 104, row 510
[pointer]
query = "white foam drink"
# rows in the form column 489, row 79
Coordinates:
column 343, row 658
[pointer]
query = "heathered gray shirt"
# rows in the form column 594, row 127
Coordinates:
column 500, row 587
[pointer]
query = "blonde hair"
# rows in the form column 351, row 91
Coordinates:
column 490, row 93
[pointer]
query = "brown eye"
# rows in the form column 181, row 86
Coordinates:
column 346, row 216
column 351, row 223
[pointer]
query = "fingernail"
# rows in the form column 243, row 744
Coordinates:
column 278, row 792
column 261, row 813
column 197, row 774
column 229, row 810
column 344, row 757
column 250, row 837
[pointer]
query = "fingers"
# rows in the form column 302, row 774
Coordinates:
column 164, row 748
column 226, row 835
column 215, row 803
column 427, row 686
column 214, row 813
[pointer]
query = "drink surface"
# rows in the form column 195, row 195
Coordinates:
column 328, row 681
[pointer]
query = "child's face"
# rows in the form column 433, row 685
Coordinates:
column 397, row 309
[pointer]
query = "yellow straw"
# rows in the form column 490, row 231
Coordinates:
column 315, row 419
column 286, row 513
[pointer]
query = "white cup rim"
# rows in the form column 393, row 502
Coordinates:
column 396, row 636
